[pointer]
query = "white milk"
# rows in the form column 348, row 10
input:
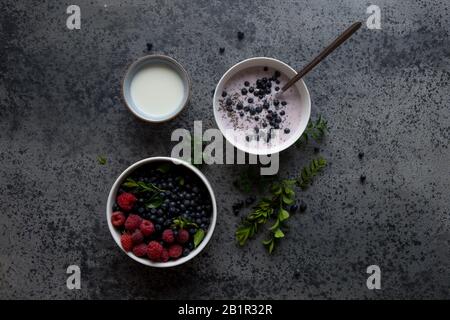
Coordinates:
column 157, row 90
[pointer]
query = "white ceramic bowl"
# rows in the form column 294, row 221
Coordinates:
column 305, row 105
column 116, row 234
column 146, row 61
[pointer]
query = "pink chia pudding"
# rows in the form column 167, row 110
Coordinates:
column 248, row 104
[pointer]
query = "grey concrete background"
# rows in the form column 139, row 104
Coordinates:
column 386, row 93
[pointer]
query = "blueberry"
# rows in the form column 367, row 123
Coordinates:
column 246, row 108
column 266, row 105
column 293, row 208
column 258, row 109
column 240, row 35
column 282, row 113
column 303, row 207
column 140, row 210
column 246, row 83
column 252, row 111
column 158, row 227
column 283, row 103
column 192, row 231
column 186, row 252
column 250, row 200
column 149, row 46
column 277, row 81
column 190, row 245
column 256, row 118
column 153, row 217
column 287, row 130
column 224, row 94
column 221, row 50
column 251, row 89
column 244, row 91
column 316, row 150
column 264, row 124
column 277, row 88
column 276, row 102
column 277, row 74
column 239, row 106
column 229, row 102
column 250, row 100
column 241, row 114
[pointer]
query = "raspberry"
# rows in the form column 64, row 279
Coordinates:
column 137, row 237
column 154, row 250
column 147, row 228
column 127, row 242
column 183, row 236
column 175, row 251
column 117, row 219
column 140, row 250
column 126, row 201
column 133, row 222
column 168, row 236
column 164, row 256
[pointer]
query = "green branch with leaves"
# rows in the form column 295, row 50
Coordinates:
column 276, row 207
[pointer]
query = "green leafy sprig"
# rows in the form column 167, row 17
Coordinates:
column 140, row 186
column 315, row 130
column 282, row 195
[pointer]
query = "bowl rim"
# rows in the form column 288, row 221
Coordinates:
column 169, row 59
column 116, row 235
column 274, row 149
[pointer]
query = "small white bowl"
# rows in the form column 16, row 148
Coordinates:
column 145, row 62
column 116, row 234
column 305, row 105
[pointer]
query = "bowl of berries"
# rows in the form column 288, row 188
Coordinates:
column 161, row 211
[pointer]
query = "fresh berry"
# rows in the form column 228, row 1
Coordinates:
column 183, row 236
column 147, row 228
column 164, row 256
column 175, row 251
column 117, row 219
column 224, row 94
column 126, row 201
column 140, row 250
column 137, row 237
column 168, row 236
column 133, row 222
column 293, row 208
column 303, row 207
column 287, row 130
column 186, row 252
column 154, row 250
column 127, row 242
column 149, row 47
column 246, row 83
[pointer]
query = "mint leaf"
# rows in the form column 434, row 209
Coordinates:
column 101, row 160
column 198, row 237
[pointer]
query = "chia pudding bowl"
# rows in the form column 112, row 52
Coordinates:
column 249, row 113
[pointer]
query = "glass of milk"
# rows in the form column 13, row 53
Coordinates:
column 156, row 88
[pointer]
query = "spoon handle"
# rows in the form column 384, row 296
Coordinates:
column 336, row 43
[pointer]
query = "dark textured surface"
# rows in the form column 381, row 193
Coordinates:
column 386, row 92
